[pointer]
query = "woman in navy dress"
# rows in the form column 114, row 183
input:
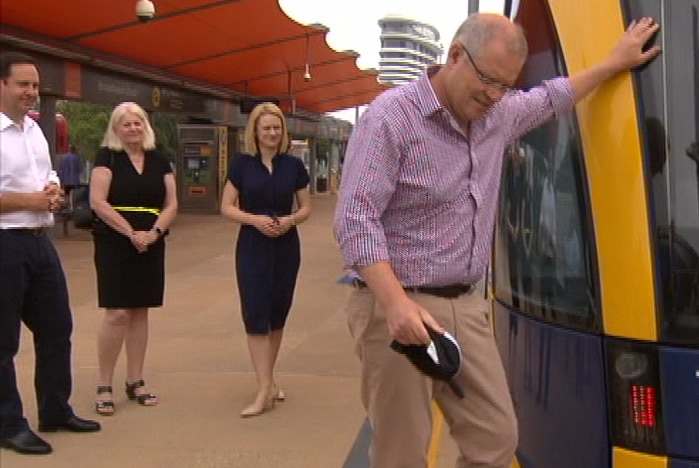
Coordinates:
column 262, row 186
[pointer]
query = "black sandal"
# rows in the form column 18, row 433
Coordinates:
column 104, row 407
column 144, row 399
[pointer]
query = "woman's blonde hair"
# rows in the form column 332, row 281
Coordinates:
column 265, row 108
column 112, row 141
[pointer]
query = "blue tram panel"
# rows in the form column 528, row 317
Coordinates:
column 680, row 383
column 683, row 464
column 557, row 378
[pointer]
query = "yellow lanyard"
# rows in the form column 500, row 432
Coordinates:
column 141, row 209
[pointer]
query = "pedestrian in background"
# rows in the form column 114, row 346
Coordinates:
column 70, row 169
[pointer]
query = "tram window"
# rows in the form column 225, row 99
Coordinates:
column 681, row 316
column 669, row 96
column 544, row 263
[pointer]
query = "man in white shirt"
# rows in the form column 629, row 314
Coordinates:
column 32, row 284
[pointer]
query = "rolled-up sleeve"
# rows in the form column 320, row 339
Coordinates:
column 527, row 110
column 369, row 177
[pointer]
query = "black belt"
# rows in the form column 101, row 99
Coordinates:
column 450, row 291
column 34, row 231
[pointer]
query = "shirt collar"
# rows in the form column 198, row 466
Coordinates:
column 426, row 98
column 6, row 122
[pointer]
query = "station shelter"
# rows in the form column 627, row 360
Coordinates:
column 207, row 59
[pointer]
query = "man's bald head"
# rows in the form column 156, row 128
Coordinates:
column 481, row 28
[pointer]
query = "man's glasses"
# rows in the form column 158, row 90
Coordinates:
column 485, row 79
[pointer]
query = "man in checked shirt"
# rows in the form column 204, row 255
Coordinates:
column 414, row 222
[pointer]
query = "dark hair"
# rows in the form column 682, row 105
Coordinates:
column 7, row 59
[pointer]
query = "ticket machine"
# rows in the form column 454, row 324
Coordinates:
column 201, row 167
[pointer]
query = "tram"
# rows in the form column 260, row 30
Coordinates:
column 595, row 275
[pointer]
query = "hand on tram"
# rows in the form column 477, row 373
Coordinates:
column 629, row 52
column 406, row 321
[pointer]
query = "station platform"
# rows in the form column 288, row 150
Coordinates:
column 198, row 364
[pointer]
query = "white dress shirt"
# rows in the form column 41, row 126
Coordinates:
column 25, row 167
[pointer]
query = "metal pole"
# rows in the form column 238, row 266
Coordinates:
column 47, row 122
column 312, row 141
column 473, row 6
column 507, row 10
column 693, row 150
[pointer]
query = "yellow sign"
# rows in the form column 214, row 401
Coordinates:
column 222, row 156
column 155, row 97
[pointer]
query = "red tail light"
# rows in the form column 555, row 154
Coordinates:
column 644, row 405
column 635, row 396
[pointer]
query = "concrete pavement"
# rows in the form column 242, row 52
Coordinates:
column 198, row 364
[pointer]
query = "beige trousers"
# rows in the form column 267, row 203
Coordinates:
column 398, row 397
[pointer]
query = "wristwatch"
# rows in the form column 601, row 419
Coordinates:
column 160, row 232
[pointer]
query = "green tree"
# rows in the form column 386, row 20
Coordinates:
column 86, row 125
column 165, row 128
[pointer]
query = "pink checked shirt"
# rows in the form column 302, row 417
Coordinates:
column 418, row 193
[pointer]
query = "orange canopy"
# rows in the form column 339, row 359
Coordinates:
column 241, row 47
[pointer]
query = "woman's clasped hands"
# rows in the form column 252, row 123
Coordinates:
column 273, row 226
column 142, row 239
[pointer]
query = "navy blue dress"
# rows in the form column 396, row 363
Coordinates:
column 267, row 267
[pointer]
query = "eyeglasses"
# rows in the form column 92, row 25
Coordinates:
column 485, row 79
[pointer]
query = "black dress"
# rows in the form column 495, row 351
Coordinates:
column 125, row 278
column 267, row 267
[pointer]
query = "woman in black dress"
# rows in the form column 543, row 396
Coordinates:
column 132, row 191
column 260, row 193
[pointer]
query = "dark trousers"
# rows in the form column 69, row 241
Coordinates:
column 33, row 290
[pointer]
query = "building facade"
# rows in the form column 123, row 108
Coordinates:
column 407, row 48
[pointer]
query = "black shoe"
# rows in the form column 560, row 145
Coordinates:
column 26, row 442
column 72, row 424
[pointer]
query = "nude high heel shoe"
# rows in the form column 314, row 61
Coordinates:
column 256, row 409
column 278, row 393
